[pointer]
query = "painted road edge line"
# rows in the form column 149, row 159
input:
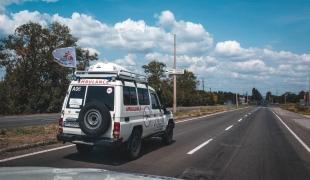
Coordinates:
column 292, row 132
column 229, row 127
column 185, row 120
column 199, row 147
column 35, row 153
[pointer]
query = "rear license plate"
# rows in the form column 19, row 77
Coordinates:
column 71, row 123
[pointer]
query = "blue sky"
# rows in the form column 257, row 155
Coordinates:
column 243, row 43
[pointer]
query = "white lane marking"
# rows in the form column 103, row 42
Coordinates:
column 35, row 153
column 240, row 120
column 229, row 127
column 199, row 147
column 185, row 120
column 292, row 132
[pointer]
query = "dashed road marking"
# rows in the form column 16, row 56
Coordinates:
column 200, row 117
column 240, row 120
column 35, row 153
column 229, row 127
column 199, row 147
column 292, row 132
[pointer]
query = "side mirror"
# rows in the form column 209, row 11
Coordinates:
column 164, row 108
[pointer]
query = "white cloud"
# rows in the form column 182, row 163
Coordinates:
column 232, row 49
column 127, row 61
column 92, row 51
column 252, row 66
column 8, row 24
column 166, row 19
column 138, row 42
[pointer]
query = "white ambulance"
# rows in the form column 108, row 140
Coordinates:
column 110, row 106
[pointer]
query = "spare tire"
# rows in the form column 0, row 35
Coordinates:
column 94, row 119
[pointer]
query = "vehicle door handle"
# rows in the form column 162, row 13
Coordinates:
column 126, row 119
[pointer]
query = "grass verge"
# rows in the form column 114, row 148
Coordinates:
column 296, row 108
column 202, row 111
column 23, row 137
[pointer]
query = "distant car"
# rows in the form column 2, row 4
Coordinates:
column 110, row 106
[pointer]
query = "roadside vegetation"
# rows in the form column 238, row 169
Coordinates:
column 295, row 107
column 202, row 111
column 13, row 139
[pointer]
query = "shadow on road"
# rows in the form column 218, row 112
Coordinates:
column 115, row 156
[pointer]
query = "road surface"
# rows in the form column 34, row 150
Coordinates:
column 42, row 119
column 28, row 120
column 251, row 143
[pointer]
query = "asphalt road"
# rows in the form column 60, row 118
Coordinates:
column 251, row 143
column 28, row 120
column 42, row 119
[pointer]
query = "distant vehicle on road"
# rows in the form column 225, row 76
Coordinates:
column 110, row 106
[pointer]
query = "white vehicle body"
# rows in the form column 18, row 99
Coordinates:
column 131, row 102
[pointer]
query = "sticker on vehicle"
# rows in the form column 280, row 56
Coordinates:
column 75, row 102
column 109, row 90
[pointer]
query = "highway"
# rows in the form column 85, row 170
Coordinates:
column 28, row 120
column 48, row 118
column 247, row 144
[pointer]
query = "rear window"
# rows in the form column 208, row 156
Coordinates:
column 76, row 97
column 101, row 94
column 143, row 95
column 130, row 95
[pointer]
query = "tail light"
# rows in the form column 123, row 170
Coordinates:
column 116, row 130
column 60, row 125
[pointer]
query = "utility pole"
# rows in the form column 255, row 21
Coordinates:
column 203, row 83
column 237, row 100
column 174, row 79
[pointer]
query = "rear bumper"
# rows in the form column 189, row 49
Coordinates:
column 78, row 139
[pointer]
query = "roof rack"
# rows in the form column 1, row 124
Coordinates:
column 121, row 74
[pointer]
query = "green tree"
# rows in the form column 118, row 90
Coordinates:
column 34, row 81
column 186, row 88
column 268, row 96
column 256, row 95
column 155, row 72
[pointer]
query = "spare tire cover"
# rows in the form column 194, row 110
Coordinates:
column 94, row 119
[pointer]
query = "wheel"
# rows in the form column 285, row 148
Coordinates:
column 84, row 149
column 134, row 144
column 167, row 138
column 94, row 119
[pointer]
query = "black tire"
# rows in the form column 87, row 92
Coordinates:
column 134, row 144
column 94, row 119
column 84, row 149
column 167, row 138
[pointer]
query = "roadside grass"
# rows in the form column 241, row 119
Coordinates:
column 21, row 137
column 296, row 108
column 202, row 111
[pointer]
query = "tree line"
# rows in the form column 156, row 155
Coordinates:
column 34, row 83
column 288, row 97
